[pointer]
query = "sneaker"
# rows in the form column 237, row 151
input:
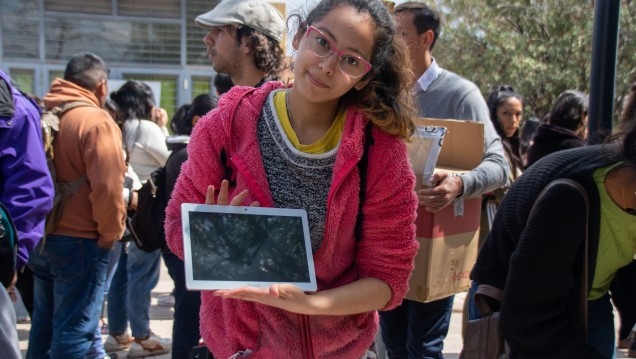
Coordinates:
column 152, row 345
column 166, row 301
column 116, row 343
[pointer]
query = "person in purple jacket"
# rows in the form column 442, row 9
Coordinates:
column 26, row 190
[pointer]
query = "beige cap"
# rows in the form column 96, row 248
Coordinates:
column 259, row 15
column 409, row 4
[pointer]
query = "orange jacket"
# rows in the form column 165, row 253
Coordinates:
column 89, row 143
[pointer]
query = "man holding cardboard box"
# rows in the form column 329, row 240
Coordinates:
column 417, row 329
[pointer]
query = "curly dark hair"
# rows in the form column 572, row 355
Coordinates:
column 386, row 99
column 268, row 55
column 135, row 100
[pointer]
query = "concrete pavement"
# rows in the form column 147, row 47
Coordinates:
column 161, row 323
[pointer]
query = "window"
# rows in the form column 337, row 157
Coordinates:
column 114, row 41
column 201, row 85
column 24, row 79
column 150, row 8
column 20, row 23
column 196, row 50
column 55, row 74
column 84, row 6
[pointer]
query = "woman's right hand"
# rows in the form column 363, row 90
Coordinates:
column 222, row 199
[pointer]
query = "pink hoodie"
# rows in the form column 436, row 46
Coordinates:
column 386, row 250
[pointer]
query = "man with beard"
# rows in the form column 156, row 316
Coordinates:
column 244, row 40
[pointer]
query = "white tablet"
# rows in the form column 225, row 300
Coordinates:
column 231, row 246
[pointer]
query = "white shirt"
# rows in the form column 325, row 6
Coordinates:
column 427, row 78
column 146, row 145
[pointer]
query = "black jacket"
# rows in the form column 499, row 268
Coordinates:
column 549, row 139
column 178, row 146
column 538, row 264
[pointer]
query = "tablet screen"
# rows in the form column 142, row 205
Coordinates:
column 231, row 246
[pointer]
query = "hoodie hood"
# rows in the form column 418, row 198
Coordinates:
column 177, row 142
column 547, row 132
column 63, row 91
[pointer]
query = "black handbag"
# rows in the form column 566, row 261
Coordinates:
column 146, row 224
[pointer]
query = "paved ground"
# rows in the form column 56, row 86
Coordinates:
column 161, row 323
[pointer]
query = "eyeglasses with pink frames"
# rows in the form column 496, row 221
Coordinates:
column 352, row 65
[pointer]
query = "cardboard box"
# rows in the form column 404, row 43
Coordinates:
column 448, row 241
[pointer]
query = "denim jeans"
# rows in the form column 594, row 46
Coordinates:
column 97, row 349
column 68, row 293
column 416, row 330
column 113, row 263
column 9, row 346
column 129, row 295
column 185, row 328
column 473, row 312
column 600, row 326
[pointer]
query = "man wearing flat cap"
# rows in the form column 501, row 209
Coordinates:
column 244, row 40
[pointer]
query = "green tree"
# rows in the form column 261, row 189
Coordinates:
column 540, row 47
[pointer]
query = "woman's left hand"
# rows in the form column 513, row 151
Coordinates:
column 283, row 296
column 361, row 296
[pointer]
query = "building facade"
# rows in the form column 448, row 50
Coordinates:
column 148, row 40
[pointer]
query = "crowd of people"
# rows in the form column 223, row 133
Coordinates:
column 361, row 72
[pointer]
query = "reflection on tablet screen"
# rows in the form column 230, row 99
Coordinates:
column 238, row 247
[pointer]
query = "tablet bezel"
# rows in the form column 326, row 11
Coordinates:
column 192, row 284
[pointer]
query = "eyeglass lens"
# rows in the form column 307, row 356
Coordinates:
column 353, row 66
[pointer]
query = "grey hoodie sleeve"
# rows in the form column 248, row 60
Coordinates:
column 494, row 169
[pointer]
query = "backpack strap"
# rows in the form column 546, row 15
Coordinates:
column 74, row 185
column 585, row 269
column 363, row 165
column 63, row 190
column 71, row 105
column 228, row 170
column 60, row 110
column 484, row 290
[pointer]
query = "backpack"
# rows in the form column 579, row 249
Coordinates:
column 8, row 247
column 146, row 224
column 50, row 122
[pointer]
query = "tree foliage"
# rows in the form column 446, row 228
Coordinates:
column 540, row 47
